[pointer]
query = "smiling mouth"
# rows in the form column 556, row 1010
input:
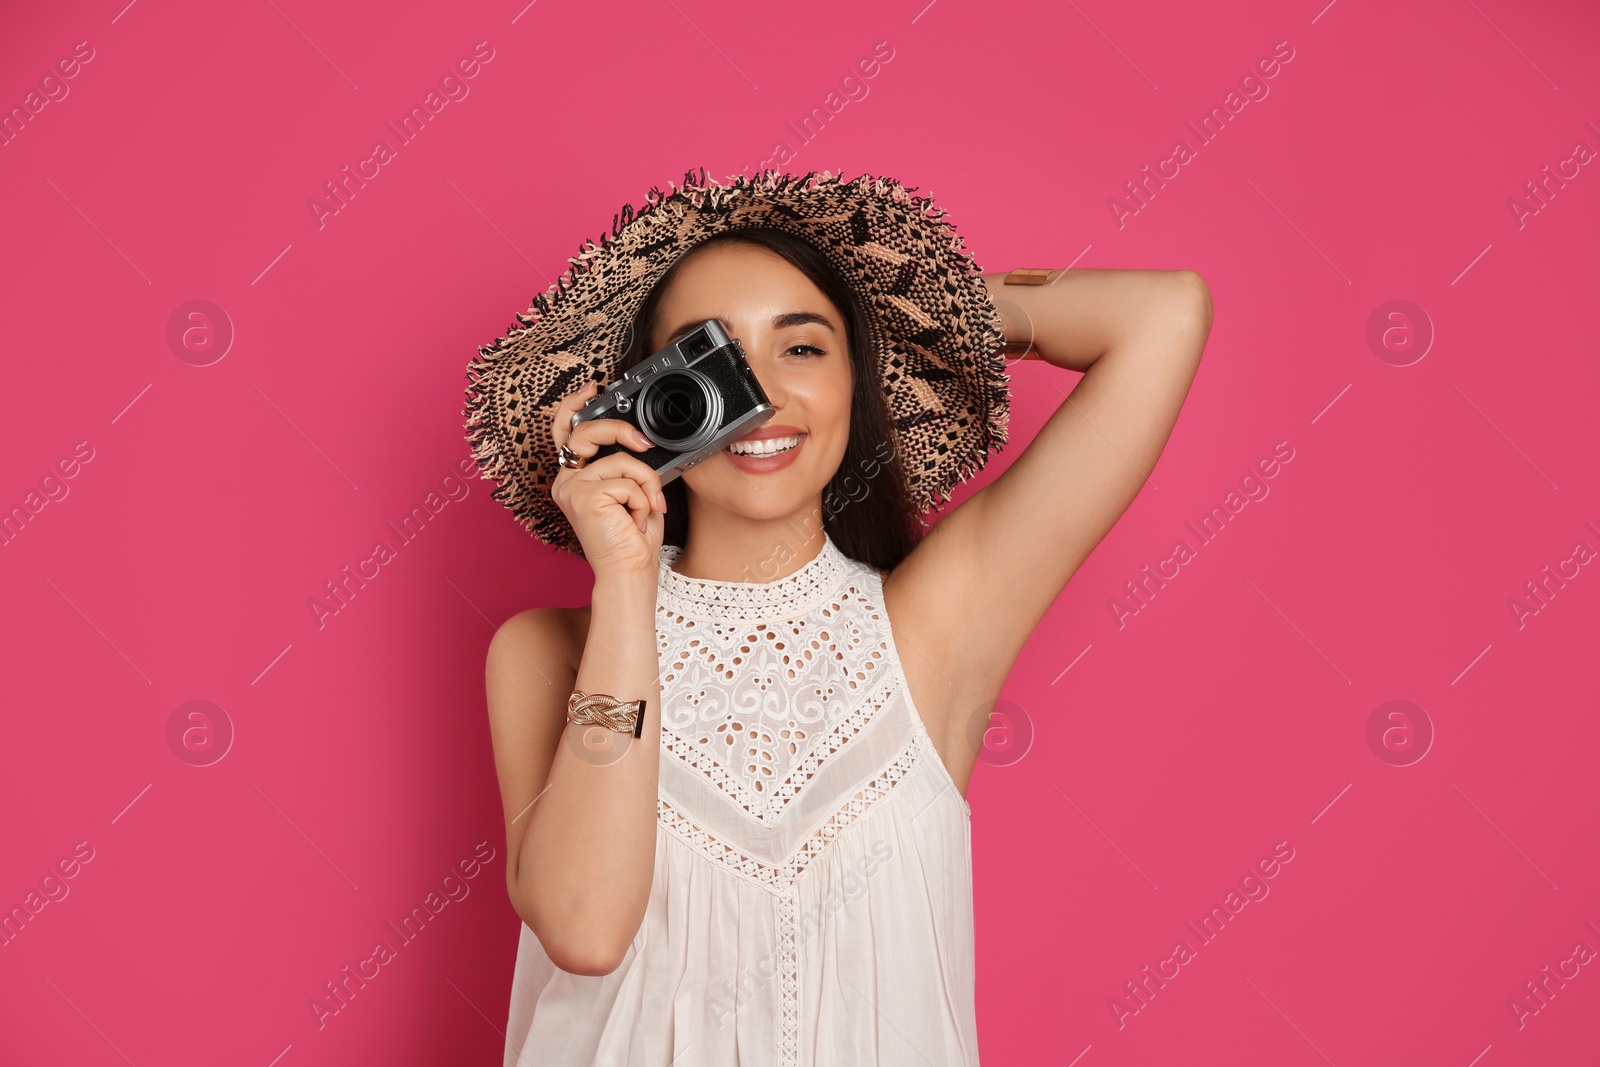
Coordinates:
column 775, row 446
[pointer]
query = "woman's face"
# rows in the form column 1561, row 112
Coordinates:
column 794, row 340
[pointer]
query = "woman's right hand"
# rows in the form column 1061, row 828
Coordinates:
column 615, row 503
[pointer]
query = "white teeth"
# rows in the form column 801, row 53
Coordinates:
column 770, row 447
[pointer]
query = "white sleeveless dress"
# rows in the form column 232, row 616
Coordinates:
column 812, row 897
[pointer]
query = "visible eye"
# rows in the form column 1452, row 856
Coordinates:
column 813, row 350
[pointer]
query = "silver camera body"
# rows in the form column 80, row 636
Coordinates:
column 690, row 399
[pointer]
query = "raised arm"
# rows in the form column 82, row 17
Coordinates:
column 993, row 566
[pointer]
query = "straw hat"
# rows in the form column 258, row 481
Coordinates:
column 935, row 332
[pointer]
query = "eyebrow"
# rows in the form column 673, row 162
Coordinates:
column 779, row 322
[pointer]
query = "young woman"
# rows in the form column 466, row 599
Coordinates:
column 758, row 851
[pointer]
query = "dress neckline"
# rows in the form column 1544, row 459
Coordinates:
column 784, row 598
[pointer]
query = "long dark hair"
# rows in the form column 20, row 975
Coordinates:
column 866, row 507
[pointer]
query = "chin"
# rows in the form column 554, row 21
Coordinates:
column 775, row 497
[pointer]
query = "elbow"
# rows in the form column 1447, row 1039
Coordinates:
column 575, row 951
column 1196, row 298
column 588, row 960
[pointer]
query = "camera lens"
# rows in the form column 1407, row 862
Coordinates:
column 679, row 410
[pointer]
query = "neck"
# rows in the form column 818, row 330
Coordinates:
column 726, row 546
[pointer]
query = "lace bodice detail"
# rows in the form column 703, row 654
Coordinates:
column 812, row 897
column 769, row 680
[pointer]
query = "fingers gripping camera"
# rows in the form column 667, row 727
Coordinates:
column 691, row 398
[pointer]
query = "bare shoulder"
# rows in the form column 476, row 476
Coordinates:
column 547, row 631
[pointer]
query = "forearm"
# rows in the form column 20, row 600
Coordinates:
column 1081, row 314
column 588, row 854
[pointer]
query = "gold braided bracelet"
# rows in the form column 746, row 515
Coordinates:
column 600, row 709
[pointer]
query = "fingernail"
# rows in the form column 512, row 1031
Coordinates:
column 644, row 441
column 661, row 501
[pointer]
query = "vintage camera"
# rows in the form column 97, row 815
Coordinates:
column 691, row 398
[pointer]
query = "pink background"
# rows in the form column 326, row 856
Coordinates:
column 1228, row 715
